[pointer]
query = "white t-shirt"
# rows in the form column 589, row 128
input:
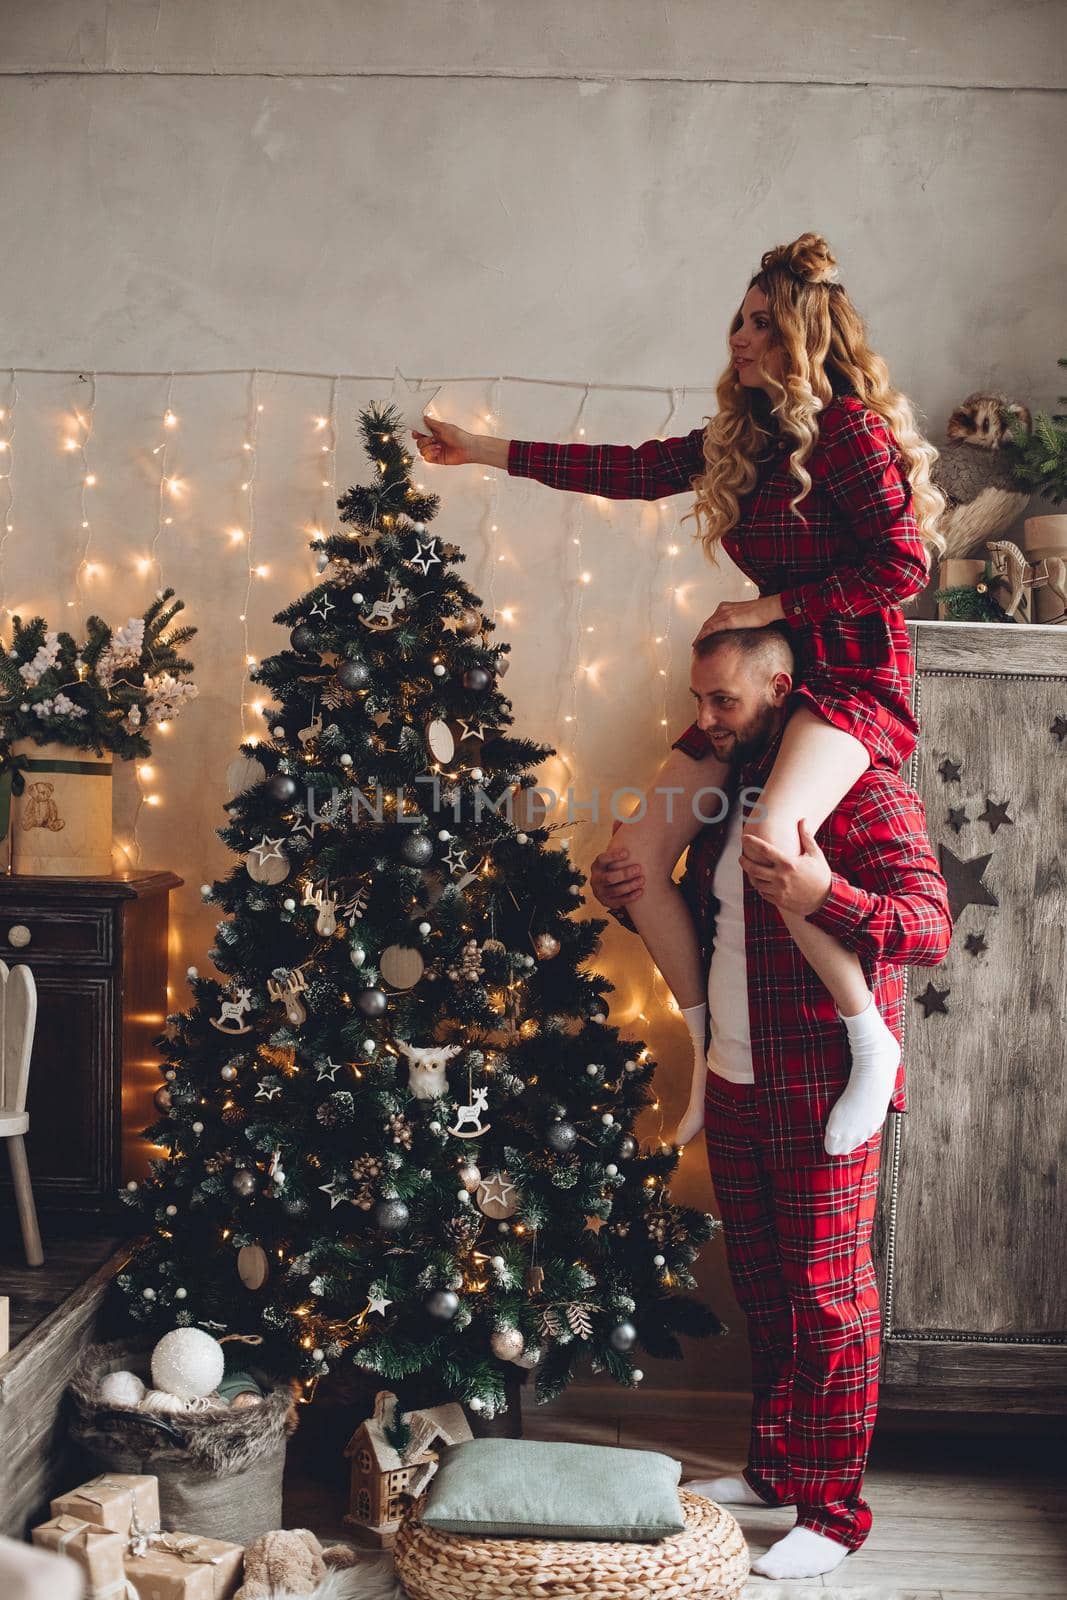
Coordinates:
column 730, row 1053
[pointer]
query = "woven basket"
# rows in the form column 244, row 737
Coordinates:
column 709, row 1561
column 220, row 1472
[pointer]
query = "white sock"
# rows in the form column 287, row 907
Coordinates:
column 695, row 1018
column 725, row 1491
column 803, row 1553
column 861, row 1108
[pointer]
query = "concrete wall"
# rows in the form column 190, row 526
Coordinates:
column 438, row 201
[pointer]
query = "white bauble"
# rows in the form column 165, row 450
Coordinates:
column 188, row 1363
column 122, row 1389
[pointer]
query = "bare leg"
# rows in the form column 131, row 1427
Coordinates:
column 656, row 841
column 815, row 767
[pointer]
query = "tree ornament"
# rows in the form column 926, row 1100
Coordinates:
column 507, row 1344
column 469, row 621
column 443, row 1304
column 287, row 985
column 188, row 1363
column 627, row 1147
column 623, row 1337
column 400, row 1130
column 391, row 1216
column 252, row 1266
column 265, row 862
column 477, row 679
column 401, row 966
column 383, row 615
column 470, row 1177
column 283, row 788
column 497, row 1196
column 416, row 849
column 372, row 1002
column 162, row 1100
column 472, row 1114
column 562, row 1136
column 353, row 675
column 229, row 1019
column 303, row 639
column 426, row 1067
column 546, row 946
column 425, row 556
column 439, row 740
column 243, row 1183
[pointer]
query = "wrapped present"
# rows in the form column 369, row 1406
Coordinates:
column 184, row 1566
column 123, row 1501
column 98, row 1551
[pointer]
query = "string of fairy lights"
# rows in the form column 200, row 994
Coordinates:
column 577, row 657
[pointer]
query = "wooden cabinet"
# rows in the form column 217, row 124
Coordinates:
column 973, row 1205
column 98, row 951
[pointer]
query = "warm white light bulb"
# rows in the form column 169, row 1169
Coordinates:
column 90, row 480
column 169, row 419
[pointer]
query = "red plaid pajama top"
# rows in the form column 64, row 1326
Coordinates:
column 841, row 578
column 888, row 902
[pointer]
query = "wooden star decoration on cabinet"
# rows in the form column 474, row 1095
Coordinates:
column 996, row 815
column 964, row 880
column 1059, row 728
column 958, row 818
column 950, row 771
column 933, row 1000
column 975, row 944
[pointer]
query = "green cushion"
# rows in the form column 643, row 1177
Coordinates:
column 523, row 1488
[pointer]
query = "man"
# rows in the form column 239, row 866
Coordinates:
column 796, row 1221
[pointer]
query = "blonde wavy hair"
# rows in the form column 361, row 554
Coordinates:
column 826, row 351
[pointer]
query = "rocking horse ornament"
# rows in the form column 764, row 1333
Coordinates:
column 230, row 1018
column 1012, row 570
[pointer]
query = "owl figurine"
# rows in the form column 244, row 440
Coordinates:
column 975, row 475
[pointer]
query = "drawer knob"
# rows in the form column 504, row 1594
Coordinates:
column 19, row 935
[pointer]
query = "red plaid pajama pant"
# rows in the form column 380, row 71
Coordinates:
column 798, row 1251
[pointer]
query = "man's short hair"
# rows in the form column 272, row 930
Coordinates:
column 768, row 647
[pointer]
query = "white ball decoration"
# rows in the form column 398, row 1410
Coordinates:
column 289, row 903
column 439, row 670
column 527, row 961
column 463, row 1197
column 122, row 1389
column 148, row 1294
column 181, row 1294
column 160, row 1400
column 659, row 1261
column 498, row 1263
column 476, row 1404
column 172, row 1211
column 592, row 1069
column 205, row 891
column 424, row 928
column 318, row 1355
column 477, row 774
column 357, row 598
column 191, row 973
column 612, row 1170
column 522, row 838
column 444, row 835
column 279, row 733
column 638, row 1375
column 607, row 1119
column 188, row 1362
column 575, row 889
column 133, row 1186
column 198, row 1127
column 346, row 760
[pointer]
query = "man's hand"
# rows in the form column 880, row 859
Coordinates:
column 792, row 883
column 615, row 880
column 742, row 614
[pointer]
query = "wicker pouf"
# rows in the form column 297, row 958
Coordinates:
column 709, row 1561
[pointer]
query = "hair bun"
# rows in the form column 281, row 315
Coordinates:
column 808, row 258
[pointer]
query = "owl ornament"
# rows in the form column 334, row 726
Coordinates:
column 427, row 1078
column 974, row 472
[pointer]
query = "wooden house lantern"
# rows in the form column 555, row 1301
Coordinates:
column 394, row 1455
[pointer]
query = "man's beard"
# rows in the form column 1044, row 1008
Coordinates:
column 753, row 739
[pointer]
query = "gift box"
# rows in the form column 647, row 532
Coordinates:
column 126, row 1502
column 184, row 1566
column 98, row 1551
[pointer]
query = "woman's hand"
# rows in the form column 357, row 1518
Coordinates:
column 446, row 445
column 742, row 614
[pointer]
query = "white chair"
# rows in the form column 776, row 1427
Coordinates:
column 18, row 1020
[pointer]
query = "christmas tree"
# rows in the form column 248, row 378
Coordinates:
column 400, row 1132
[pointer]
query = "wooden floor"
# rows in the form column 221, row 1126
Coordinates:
column 35, row 1292
column 978, row 1511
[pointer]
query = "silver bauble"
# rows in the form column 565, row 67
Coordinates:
column 562, row 1136
column 372, row 1002
column 282, row 787
column 353, row 674
column 507, row 1344
column 623, row 1337
column 391, row 1215
column 243, row 1183
column 443, row 1303
column 476, row 678
column 627, row 1147
column 416, row 849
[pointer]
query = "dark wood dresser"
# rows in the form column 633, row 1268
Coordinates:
column 973, row 1206
column 98, row 951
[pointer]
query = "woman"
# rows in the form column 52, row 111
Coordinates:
column 816, row 481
